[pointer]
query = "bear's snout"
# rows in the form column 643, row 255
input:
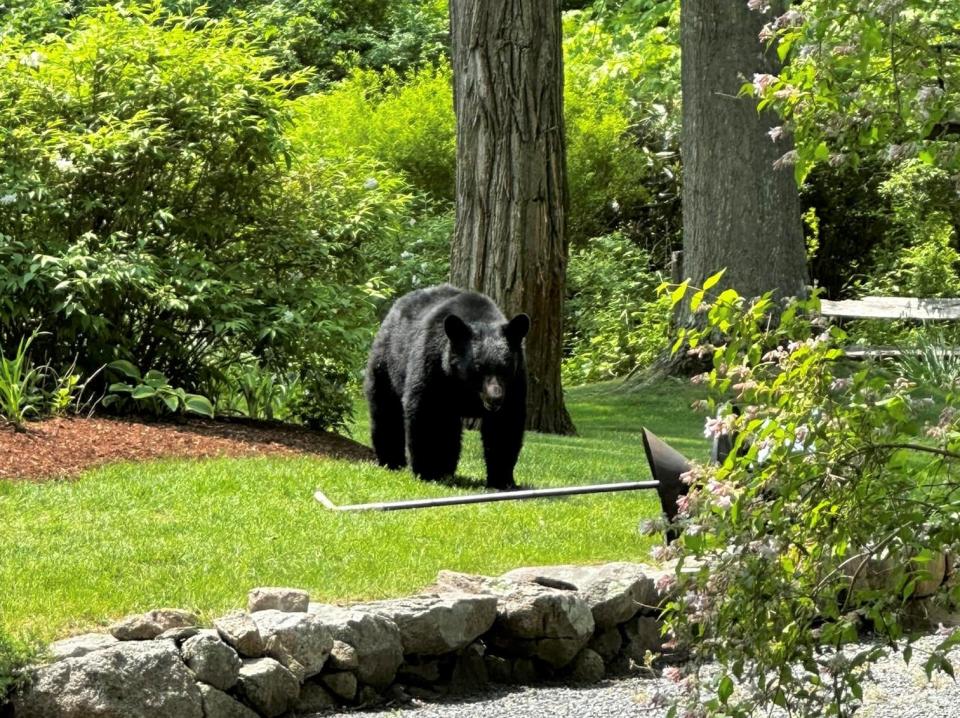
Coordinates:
column 492, row 393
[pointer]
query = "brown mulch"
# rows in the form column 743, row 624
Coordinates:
column 62, row 448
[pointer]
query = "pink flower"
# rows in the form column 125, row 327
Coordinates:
column 719, row 488
column 758, row 5
column 762, row 82
column 724, row 502
column 661, row 553
column 791, row 18
column 683, row 505
column 840, row 384
column 775, row 133
column 673, row 674
column 666, row 583
column 714, row 426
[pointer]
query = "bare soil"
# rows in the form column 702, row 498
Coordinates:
column 62, row 448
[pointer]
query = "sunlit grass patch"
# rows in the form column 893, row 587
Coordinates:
column 199, row 534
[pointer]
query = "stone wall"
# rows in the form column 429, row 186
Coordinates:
column 286, row 656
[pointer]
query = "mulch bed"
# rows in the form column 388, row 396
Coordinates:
column 62, row 448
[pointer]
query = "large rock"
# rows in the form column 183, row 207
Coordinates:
column 606, row 643
column 314, row 698
column 432, row 625
column 239, row 630
column 301, row 636
column 376, row 641
column 343, row 657
column 587, row 667
column 217, row 704
column 642, row 634
column 149, row 625
column 558, row 621
column 265, row 598
column 615, row 592
column 267, row 686
column 77, row 646
column 140, row 679
column 342, row 684
column 211, row 660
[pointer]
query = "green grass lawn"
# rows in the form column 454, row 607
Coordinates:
column 199, row 534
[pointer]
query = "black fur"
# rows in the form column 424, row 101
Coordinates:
column 443, row 354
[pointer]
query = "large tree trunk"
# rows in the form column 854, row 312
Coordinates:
column 509, row 240
column 738, row 211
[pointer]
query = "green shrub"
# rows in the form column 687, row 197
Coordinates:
column 834, row 477
column 151, row 211
column 622, row 78
column 615, row 321
column 403, row 123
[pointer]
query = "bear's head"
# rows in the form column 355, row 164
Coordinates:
column 486, row 357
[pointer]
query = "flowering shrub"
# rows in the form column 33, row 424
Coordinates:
column 832, row 474
column 865, row 79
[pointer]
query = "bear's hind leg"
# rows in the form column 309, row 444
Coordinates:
column 386, row 423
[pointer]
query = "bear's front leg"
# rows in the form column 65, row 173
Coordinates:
column 434, row 435
column 502, row 434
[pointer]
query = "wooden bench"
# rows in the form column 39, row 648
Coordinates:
column 892, row 309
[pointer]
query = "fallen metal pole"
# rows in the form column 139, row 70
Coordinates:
column 488, row 498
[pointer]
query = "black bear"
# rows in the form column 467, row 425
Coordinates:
column 443, row 354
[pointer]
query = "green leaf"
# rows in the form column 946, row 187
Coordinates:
column 696, row 300
column 120, row 388
column 676, row 296
column 155, row 379
column 171, row 401
column 143, row 392
column 125, row 367
column 198, row 405
column 713, row 279
column 725, row 689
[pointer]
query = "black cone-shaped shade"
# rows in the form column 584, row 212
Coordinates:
column 666, row 465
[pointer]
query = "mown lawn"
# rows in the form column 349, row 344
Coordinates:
column 199, row 534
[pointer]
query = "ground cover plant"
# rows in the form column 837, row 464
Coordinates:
column 199, row 534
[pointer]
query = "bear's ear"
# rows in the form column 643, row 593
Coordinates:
column 516, row 329
column 457, row 330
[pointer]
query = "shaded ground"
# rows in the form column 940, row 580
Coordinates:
column 62, row 448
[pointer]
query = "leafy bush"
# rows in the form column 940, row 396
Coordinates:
column 150, row 209
column 614, row 320
column 403, row 123
column 622, row 78
column 832, row 476
column 870, row 80
column 334, row 37
column 918, row 257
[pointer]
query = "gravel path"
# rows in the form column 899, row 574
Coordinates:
column 897, row 691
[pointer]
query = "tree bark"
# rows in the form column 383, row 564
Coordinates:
column 509, row 241
column 739, row 212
